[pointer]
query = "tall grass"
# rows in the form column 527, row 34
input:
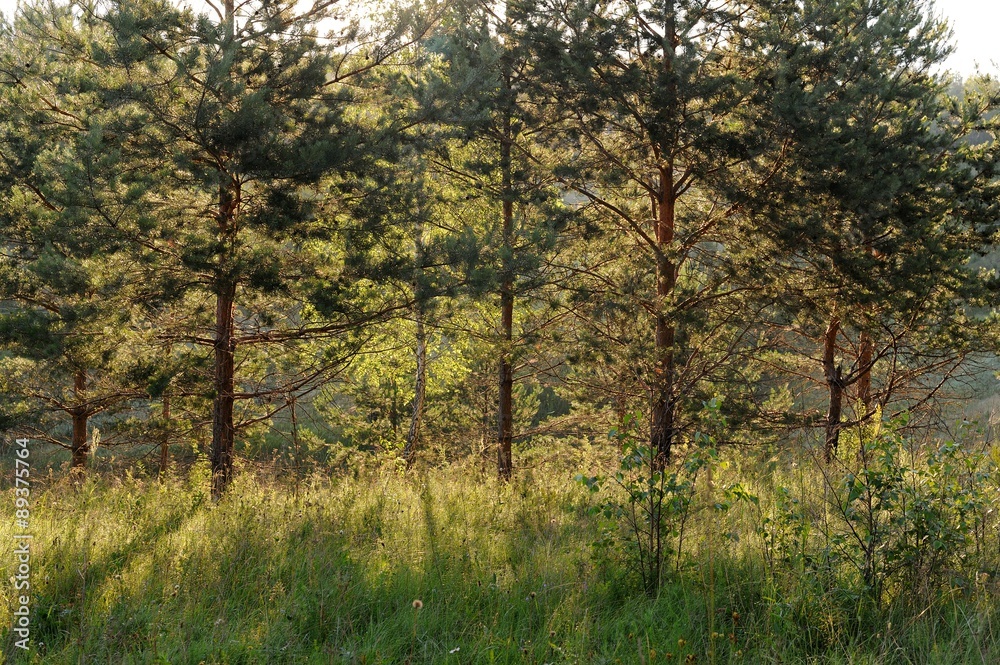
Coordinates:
column 131, row 570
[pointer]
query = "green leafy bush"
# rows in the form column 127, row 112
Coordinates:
column 647, row 502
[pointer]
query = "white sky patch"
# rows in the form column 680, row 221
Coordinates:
column 974, row 22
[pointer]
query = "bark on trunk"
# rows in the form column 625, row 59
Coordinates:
column 292, row 404
column 79, row 446
column 505, row 420
column 835, row 384
column 866, row 351
column 420, row 388
column 505, row 425
column 662, row 433
column 663, row 406
column 505, row 413
column 420, row 380
column 223, row 431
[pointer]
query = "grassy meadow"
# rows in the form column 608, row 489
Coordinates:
column 329, row 569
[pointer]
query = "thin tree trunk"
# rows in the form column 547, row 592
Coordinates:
column 292, row 403
column 662, row 431
column 223, row 430
column 80, row 447
column 505, row 411
column 866, row 351
column 505, row 426
column 229, row 9
column 835, row 384
column 420, row 381
column 505, row 420
column 420, row 388
column 165, row 441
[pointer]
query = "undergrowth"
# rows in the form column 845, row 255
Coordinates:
column 328, row 569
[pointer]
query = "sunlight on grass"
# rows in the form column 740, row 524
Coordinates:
column 136, row 571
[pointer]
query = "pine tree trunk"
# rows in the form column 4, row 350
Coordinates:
column 662, row 430
column 292, row 404
column 223, row 432
column 80, row 447
column 420, row 387
column 662, row 433
column 420, row 380
column 505, row 411
column 505, row 426
column 165, row 441
column 79, row 444
column 835, row 384
column 866, row 350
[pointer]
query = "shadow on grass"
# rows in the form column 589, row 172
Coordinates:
column 139, row 573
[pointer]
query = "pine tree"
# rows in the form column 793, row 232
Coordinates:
column 69, row 322
column 501, row 171
column 867, row 227
column 266, row 151
column 663, row 102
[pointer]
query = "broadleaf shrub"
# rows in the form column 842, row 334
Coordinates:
column 647, row 502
